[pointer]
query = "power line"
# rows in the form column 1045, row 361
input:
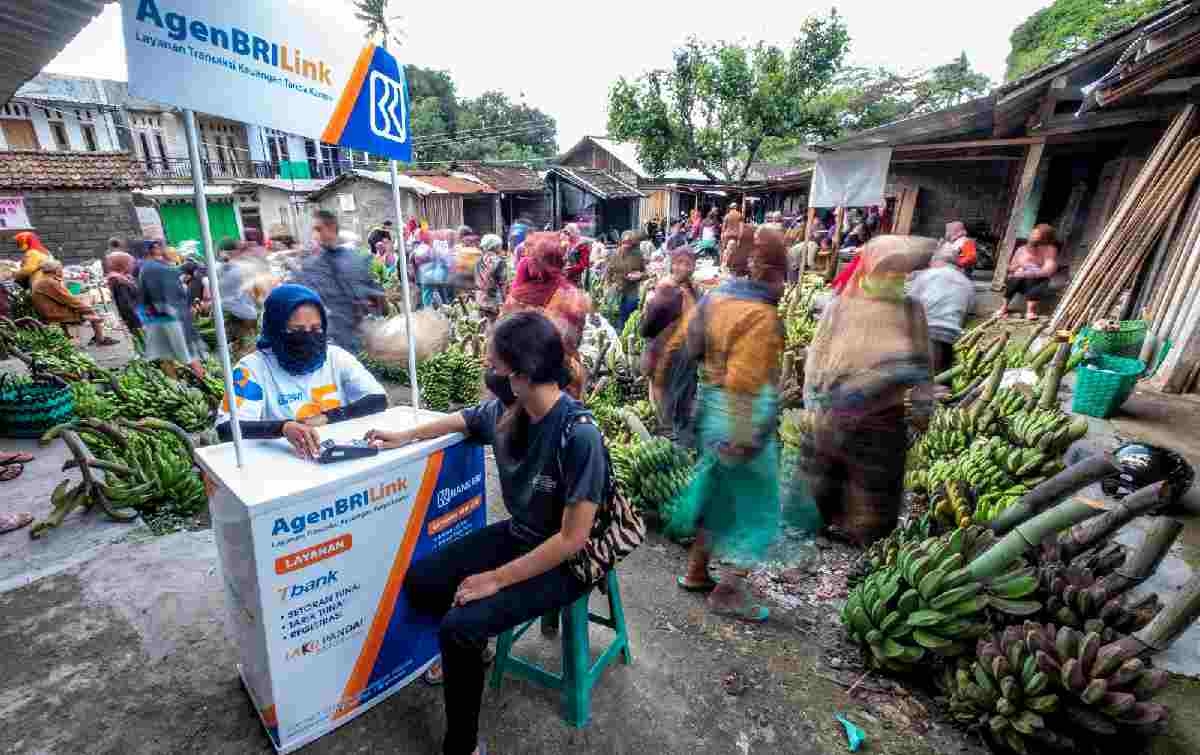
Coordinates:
column 471, row 139
column 461, row 132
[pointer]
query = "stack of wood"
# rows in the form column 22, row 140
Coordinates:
column 1141, row 218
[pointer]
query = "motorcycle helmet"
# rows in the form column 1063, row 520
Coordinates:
column 1140, row 464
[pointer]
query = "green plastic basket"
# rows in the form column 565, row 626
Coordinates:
column 1103, row 384
column 28, row 409
column 1126, row 341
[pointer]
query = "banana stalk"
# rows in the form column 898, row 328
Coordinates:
column 1029, row 344
column 1084, row 536
column 1072, row 479
column 1050, row 384
column 1144, row 561
column 1028, row 535
column 1172, row 621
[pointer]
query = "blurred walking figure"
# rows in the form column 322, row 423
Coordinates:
column 541, row 285
column 166, row 313
column 624, row 277
column 870, row 348
column 734, row 498
column 665, row 361
column 947, row 295
column 963, row 245
column 491, row 277
column 236, row 278
column 124, row 289
column 341, row 276
column 737, row 259
column 578, row 253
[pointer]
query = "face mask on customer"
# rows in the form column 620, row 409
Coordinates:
column 500, row 386
column 303, row 351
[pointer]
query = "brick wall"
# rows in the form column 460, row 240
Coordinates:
column 76, row 225
column 973, row 192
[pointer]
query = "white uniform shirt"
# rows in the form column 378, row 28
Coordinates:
column 265, row 391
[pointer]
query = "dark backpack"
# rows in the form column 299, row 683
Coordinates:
column 618, row 528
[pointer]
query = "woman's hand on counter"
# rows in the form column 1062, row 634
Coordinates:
column 385, row 439
column 316, row 420
column 304, row 439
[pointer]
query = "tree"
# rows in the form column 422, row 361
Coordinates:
column 720, row 103
column 380, row 25
column 1067, row 26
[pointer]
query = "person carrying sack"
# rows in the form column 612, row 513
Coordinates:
column 567, row 526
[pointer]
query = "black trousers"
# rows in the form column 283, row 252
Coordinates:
column 941, row 356
column 1034, row 289
column 465, row 630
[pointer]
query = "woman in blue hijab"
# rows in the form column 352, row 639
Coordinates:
column 297, row 381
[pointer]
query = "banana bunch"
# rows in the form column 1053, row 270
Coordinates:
column 51, row 339
column 1008, row 402
column 652, row 473
column 952, row 505
column 90, row 403
column 991, row 505
column 206, row 328
column 929, row 601
column 948, row 435
column 1075, row 597
column 1048, row 430
column 68, row 363
column 448, row 378
column 884, row 552
column 151, row 474
column 145, row 391
column 1103, row 687
column 1006, row 693
column 794, row 424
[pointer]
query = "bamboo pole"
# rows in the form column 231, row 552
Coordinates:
column 1124, row 220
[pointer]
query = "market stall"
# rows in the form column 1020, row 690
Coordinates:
column 313, row 559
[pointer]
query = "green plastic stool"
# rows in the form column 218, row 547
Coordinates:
column 579, row 675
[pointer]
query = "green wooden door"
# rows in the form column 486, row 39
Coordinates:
column 180, row 222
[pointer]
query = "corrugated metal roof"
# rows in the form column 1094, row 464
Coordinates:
column 599, row 182
column 457, row 185
column 626, row 153
column 34, row 32
column 973, row 116
column 510, row 179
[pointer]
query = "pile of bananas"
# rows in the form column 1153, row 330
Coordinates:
column 144, row 391
column 1008, row 402
column 1006, row 693
column 147, row 469
column 67, row 363
column 929, row 600
column 652, row 473
column 1076, row 597
column 206, row 328
column 884, row 552
column 386, row 371
column 1048, row 430
column 162, row 479
column 449, row 378
column 1103, row 688
column 90, row 403
column 949, row 434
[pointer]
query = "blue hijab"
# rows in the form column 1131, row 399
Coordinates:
column 277, row 310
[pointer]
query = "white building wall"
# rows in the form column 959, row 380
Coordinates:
column 73, row 120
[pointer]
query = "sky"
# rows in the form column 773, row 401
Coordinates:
column 563, row 59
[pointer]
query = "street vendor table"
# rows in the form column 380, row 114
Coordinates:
column 313, row 558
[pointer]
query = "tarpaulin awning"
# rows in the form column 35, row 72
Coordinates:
column 850, row 179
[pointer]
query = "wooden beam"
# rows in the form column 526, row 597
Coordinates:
column 1020, row 141
column 1033, row 160
column 1094, row 121
column 959, row 159
column 1054, row 93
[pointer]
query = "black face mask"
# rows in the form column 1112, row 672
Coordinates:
column 500, row 386
column 303, row 351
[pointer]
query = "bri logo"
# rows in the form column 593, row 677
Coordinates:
column 300, row 589
column 446, row 496
column 387, row 97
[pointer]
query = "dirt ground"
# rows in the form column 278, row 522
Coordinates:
column 114, row 642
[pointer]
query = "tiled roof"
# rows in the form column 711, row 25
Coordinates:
column 599, row 182
column 28, row 169
column 510, row 179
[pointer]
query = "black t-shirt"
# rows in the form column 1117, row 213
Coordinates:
column 535, row 490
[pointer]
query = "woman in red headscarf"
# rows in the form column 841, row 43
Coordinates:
column 541, row 284
column 35, row 254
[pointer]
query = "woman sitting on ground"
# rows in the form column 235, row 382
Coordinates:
column 56, row 304
column 297, row 381
column 514, row 570
column 1030, row 270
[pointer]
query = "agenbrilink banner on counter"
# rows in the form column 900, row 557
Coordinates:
column 314, row 585
column 270, row 63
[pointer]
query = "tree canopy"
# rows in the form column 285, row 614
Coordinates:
column 1067, row 26
column 721, row 102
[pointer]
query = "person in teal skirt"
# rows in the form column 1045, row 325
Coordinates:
column 732, row 504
